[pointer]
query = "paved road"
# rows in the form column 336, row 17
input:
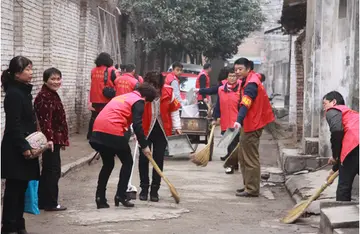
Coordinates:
column 208, row 203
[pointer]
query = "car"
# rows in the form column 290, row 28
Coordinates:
column 189, row 68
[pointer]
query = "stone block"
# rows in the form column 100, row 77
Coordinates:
column 311, row 145
column 338, row 217
column 276, row 175
column 346, row 231
column 292, row 160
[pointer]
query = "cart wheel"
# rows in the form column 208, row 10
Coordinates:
column 211, row 150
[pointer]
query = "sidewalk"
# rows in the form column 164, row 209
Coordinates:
column 303, row 184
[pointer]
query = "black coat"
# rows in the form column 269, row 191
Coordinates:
column 20, row 121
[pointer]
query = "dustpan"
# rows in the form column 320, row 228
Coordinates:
column 179, row 144
column 228, row 137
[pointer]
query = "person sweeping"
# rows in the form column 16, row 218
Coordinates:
column 160, row 119
column 110, row 137
column 226, row 109
column 344, row 128
column 254, row 114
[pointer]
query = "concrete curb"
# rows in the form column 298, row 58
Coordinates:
column 77, row 164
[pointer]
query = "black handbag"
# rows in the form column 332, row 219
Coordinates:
column 108, row 92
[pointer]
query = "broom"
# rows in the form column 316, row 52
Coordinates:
column 300, row 208
column 203, row 156
column 173, row 191
column 232, row 157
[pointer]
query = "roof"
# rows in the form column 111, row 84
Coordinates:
column 293, row 17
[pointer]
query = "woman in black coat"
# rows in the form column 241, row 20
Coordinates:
column 20, row 121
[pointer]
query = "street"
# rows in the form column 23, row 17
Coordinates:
column 208, row 202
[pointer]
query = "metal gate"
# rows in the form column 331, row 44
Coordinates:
column 109, row 36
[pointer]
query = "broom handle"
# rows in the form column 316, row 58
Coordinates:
column 325, row 185
column 157, row 169
column 212, row 133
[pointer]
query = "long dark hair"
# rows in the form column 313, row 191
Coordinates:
column 16, row 65
column 155, row 78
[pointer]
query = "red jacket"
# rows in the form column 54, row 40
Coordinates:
column 125, row 83
column 259, row 112
column 168, row 104
column 197, row 85
column 170, row 78
column 350, row 121
column 97, row 84
column 229, row 105
column 116, row 117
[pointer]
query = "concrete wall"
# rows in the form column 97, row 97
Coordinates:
column 330, row 62
column 58, row 33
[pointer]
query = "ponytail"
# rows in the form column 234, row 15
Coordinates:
column 6, row 78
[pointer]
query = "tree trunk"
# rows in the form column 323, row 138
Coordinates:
column 162, row 58
column 192, row 58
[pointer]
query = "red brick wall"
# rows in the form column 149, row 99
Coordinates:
column 299, row 85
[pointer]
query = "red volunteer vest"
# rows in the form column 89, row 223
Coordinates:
column 350, row 121
column 223, row 82
column 97, row 84
column 197, row 85
column 125, row 84
column 170, row 78
column 166, row 107
column 260, row 113
column 116, row 117
column 229, row 106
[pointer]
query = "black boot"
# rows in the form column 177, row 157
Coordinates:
column 143, row 196
column 224, row 157
column 100, row 200
column 125, row 202
column 154, row 196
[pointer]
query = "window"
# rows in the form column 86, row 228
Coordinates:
column 342, row 9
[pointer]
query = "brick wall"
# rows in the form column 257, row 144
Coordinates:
column 299, row 84
column 59, row 33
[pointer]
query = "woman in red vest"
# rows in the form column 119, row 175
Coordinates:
column 110, row 137
column 254, row 114
column 344, row 128
column 161, row 117
column 226, row 108
column 102, row 87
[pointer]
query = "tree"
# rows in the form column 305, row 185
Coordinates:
column 214, row 28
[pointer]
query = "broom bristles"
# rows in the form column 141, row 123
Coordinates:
column 202, row 157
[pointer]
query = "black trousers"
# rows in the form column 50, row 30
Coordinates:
column 347, row 173
column 13, row 206
column 108, row 158
column 94, row 114
column 158, row 141
column 49, row 179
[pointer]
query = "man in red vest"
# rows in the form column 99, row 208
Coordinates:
column 110, row 137
column 202, row 82
column 161, row 117
column 126, row 82
column 344, row 128
column 254, row 114
column 102, row 78
column 172, row 79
